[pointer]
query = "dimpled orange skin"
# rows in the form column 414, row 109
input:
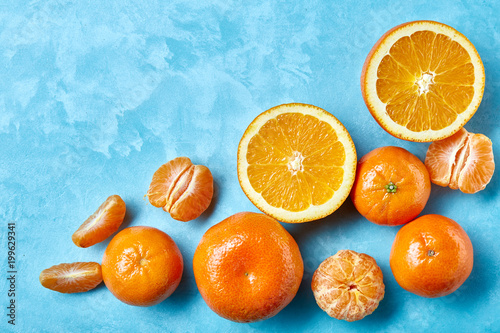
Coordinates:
column 431, row 256
column 372, row 194
column 348, row 285
column 142, row 266
column 247, row 267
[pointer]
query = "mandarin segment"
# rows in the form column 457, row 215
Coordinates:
column 316, row 174
column 348, row 286
column 480, row 165
column 71, row 278
column 422, row 81
column 182, row 189
column 103, row 223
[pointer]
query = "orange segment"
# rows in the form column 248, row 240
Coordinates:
column 296, row 162
column 76, row 277
column 102, row 224
column 422, row 81
column 463, row 161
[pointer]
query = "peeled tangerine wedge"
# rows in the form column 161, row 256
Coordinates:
column 181, row 188
column 296, row 163
column 348, row 286
column 422, row 81
column 103, row 223
column 463, row 161
column 71, row 278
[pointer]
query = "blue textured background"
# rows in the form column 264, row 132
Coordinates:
column 94, row 98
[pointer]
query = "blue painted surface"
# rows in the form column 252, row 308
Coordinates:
column 94, row 98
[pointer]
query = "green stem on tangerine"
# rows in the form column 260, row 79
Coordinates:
column 391, row 187
column 431, row 253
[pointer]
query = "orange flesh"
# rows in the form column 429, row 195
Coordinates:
column 300, row 156
column 426, row 81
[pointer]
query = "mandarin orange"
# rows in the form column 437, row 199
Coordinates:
column 182, row 189
column 431, row 256
column 142, row 266
column 392, row 186
column 463, row 161
column 247, row 267
column 348, row 285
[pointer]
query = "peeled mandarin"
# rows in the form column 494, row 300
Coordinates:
column 182, row 189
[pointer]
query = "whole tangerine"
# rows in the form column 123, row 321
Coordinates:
column 392, row 186
column 247, row 267
column 431, row 256
column 142, row 266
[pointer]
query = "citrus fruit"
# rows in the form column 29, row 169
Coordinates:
column 348, row 285
column 422, row 81
column 296, row 163
column 392, row 186
column 463, row 161
column 71, row 278
column 102, row 224
column 247, row 267
column 431, row 256
column 142, row 266
column 181, row 188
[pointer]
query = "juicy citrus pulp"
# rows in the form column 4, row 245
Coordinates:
column 348, row 285
column 296, row 162
column 102, row 224
column 422, row 81
column 463, row 161
column 76, row 277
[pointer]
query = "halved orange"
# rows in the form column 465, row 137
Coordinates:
column 463, row 161
column 71, row 278
column 422, row 81
column 296, row 162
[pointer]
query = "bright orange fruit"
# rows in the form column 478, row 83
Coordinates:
column 296, row 163
column 431, row 256
column 182, row 189
column 102, row 224
column 348, row 285
column 422, row 81
column 142, row 266
column 392, row 186
column 463, row 161
column 76, row 277
column 247, row 267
